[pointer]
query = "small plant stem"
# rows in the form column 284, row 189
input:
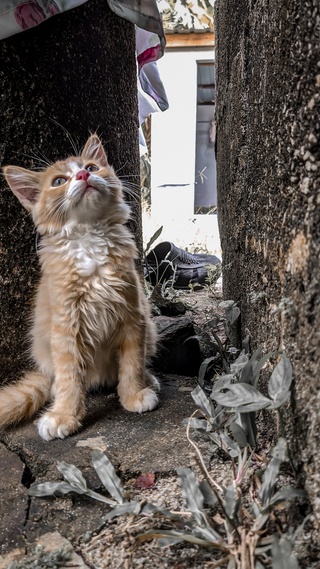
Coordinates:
column 203, row 467
column 215, row 564
column 253, row 539
column 234, row 470
column 245, row 562
column 282, row 432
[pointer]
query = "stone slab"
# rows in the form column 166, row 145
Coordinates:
column 13, row 500
column 49, row 543
column 135, row 444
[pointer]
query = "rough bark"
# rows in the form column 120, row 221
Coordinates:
column 268, row 161
column 77, row 71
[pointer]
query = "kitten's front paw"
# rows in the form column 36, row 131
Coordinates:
column 54, row 426
column 144, row 400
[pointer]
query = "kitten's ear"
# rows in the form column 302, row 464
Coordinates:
column 94, row 150
column 25, row 184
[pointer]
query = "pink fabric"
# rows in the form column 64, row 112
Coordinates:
column 151, row 54
column 30, row 14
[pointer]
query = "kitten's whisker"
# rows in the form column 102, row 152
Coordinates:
column 34, row 157
column 132, row 192
column 133, row 198
column 131, row 175
column 43, row 158
column 132, row 184
column 71, row 140
column 124, row 176
column 125, row 184
column 121, row 167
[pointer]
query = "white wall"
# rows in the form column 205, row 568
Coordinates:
column 173, row 137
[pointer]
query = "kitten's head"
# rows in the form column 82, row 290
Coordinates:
column 80, row 189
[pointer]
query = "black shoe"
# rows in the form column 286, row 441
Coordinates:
column 167, row 262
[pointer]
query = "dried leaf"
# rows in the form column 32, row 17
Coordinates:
column 73, row 475
column 107, row 474
column 145, row 480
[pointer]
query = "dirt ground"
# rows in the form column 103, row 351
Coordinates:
column 69, row 531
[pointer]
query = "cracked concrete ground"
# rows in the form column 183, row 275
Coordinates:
column 152, row 442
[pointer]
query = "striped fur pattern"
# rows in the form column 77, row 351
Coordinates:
column 91, row 323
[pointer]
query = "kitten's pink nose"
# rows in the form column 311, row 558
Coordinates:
column 82, row 175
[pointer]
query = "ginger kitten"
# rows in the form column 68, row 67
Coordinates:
column 91, row 323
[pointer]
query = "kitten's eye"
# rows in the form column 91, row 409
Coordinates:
column 92, row 168
column 58, row 181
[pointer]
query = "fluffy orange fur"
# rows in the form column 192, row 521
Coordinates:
column 92, row 322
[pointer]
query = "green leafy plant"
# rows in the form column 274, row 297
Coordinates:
column 152, row 239
column 240, row 529
column 224, row 353
column 237, row 520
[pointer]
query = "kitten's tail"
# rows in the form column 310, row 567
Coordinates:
column 23, row 399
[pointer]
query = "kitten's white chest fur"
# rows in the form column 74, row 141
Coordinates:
column 88, row 250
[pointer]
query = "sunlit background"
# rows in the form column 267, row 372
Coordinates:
column 179, row 170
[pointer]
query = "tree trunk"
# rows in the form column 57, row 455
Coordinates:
column 76, row 74
column 268, row 161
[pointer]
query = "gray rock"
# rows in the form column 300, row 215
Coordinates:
column 177, row 351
